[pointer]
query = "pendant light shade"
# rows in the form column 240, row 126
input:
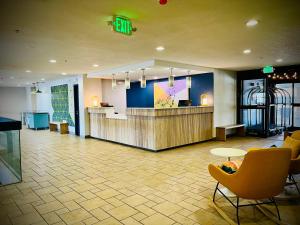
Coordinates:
column 113, row 82
column 188, row 82
column 143, row 80
column 127, row 81
column 171, row 79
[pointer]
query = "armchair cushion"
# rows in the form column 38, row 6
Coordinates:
column 294, row 145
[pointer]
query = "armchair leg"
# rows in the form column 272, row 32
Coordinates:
column 278, row 214
column 237, row 210
column 215, row 192
column 294, row 181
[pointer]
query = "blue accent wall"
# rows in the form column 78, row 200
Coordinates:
column 144, row 97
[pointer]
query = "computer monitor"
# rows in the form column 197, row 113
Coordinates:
column 184, row 103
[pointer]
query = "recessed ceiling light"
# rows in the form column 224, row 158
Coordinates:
column 95, row 65
column 52, row 61
column 251, row 23
column 28, row 71
column 63, row 73
column 160, row 48
column 42, row 79
column 247, row 51
column 279, row 60
column 155, row 78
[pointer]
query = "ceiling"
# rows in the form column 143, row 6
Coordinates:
column 151, row 69
column 206, row 33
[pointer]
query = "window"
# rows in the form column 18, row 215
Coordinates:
column 297, row 93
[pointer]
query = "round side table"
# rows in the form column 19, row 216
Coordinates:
column 228, row 152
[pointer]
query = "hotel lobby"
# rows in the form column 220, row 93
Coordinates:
column 159, row 112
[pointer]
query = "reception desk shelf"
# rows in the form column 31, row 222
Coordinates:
column 154, row 129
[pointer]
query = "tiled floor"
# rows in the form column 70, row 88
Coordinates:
column 69, row 180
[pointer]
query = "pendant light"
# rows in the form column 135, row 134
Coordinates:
column 171, row 78
column 127, row 81
column 143, row 79
column 188, row 80
column 113, row 82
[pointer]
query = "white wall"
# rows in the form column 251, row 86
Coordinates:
column 115, row 97
column 88, row 87
column 224, row 98
column 12, row 102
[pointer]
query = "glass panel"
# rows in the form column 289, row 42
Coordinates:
column 297, row 93
column 10, row 157
column 253, row 119
column 296, row 116
column 253, row 92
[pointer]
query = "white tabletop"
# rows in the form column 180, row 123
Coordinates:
column 228, row 152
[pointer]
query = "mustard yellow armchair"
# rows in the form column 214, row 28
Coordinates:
column 295, row 163
column 262, row 175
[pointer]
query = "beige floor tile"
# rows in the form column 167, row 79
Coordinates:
column 139, row 216
column 109, row 221
column 145, row 209
column 93, row 203
column 157, row 218
column 91, row 220
column 100, row 214
column 68, row 196
column 122, row 212
column 72, row 205
column 167, row 208
column 75, row 216
column 130, row 221
column 49, row 207
column 27, row 219
column 51, row 218
column 135, row 200
column 108, row 193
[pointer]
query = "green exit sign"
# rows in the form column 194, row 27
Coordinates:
column 268, row 69
column 122, row 25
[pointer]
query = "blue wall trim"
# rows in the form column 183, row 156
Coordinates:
column 144, row 97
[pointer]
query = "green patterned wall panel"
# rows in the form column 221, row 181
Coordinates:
column 60, row 104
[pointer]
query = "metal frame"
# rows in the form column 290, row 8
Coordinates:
column 293, row 182
column 237, row 205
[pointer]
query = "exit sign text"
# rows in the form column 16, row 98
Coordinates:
column 122, row 25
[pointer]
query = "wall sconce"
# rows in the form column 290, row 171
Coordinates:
column 95, row 101
column 143, row 79
column 171, row 79
column 127, row 81
column 113, row 82
column 204, row 99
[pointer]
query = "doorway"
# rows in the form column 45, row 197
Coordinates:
column 76, row 110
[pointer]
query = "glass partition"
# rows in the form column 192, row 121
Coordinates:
column 10, row 152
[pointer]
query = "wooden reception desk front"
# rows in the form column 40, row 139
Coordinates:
column 153, row 129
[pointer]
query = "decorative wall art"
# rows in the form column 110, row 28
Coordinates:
column 168, row 97
column 60, row 104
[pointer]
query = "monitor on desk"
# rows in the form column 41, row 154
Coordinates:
column 184, row 103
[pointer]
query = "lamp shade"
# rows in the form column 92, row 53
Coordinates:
column 204, row 99
column 113, row 82
column 127, row 83
column 95, row 101
column 171, row 81
column 143, row 81
column 188, row 82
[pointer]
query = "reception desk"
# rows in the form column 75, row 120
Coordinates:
column 153, row 129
